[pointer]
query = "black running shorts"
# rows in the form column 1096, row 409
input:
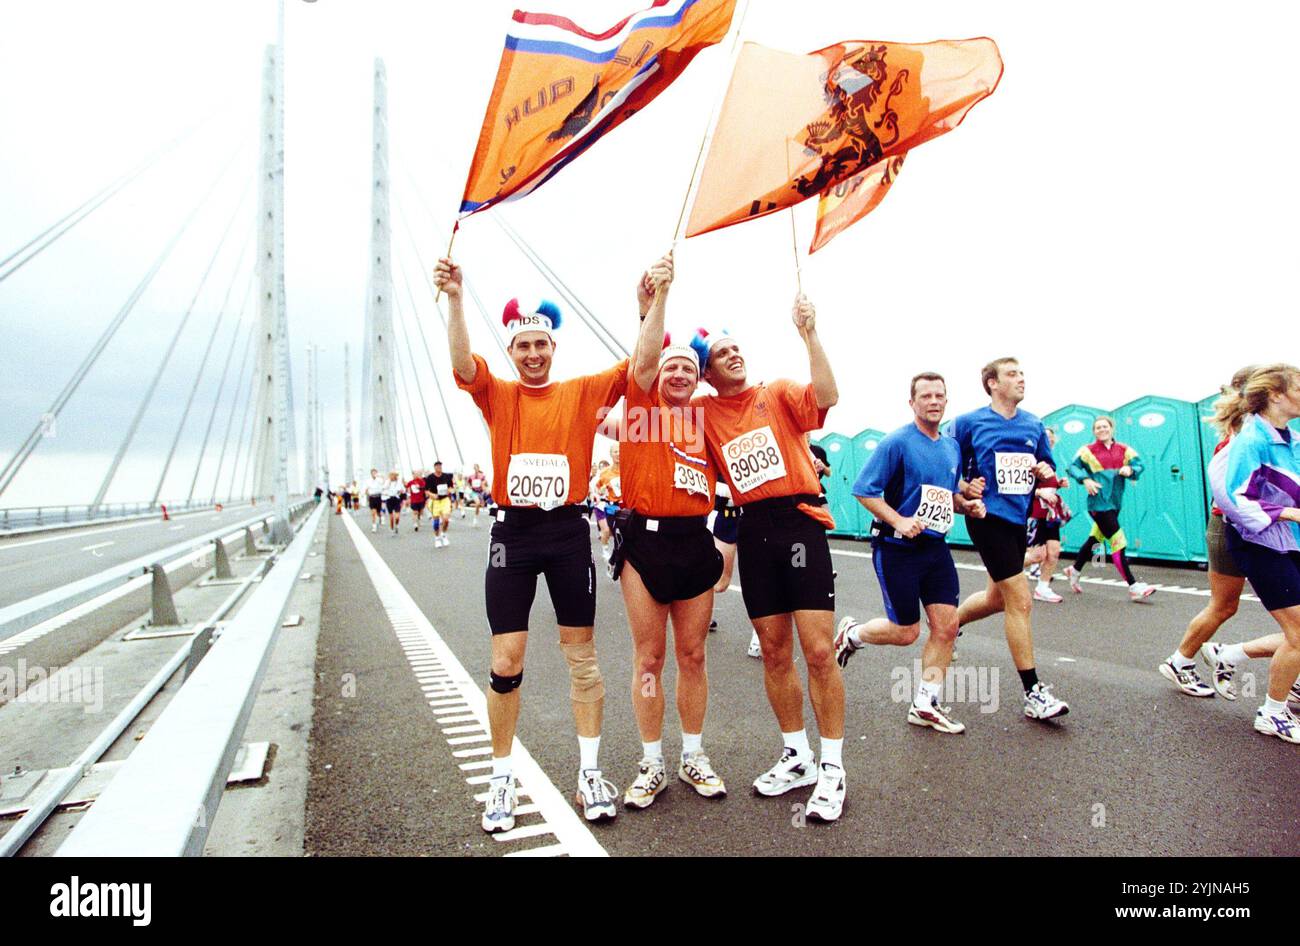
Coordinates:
column 376, row 502
column 560, row 549
column 1274, row 576
column 393, row 503
column 785, row 563
column 1044, row 531
column 1001, row 545
column 677, row 561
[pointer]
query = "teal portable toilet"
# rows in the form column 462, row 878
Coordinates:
column 864, row 445
column 839, row 485
column 1073, row 426
column 1164, row 511
column 958, row 534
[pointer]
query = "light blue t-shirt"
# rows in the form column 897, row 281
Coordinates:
column 904, row 462
column 1010, row 484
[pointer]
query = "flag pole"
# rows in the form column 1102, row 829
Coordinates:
column 798, row 266
column 437, row 296
column 709, row 128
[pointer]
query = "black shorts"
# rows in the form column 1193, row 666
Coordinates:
column 393, row 503
column 1001, row 544
column 726, row 524
column 785, row 562
column 1273, row 576
column 913, row 575
column 1042, row 531
column 376, row 502
column 676, row 559
column 558, row 547
column 417, row 507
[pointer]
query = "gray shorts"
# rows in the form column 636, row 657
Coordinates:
column 1216, row 544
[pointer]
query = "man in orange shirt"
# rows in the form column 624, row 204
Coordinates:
column 755, row 434
column 542, row 434
column 609, row 494
column 664, row 555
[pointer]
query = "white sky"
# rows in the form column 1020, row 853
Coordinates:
column 1120, row 214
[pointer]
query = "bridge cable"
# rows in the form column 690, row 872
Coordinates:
column 234, row 403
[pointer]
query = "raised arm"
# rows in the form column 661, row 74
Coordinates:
column 447, row 277
column 653, row 287
column 819, row 366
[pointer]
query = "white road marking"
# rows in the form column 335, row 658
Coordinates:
column 174, row 528
column 98, row 545
column 559, row 819
column 79, row 533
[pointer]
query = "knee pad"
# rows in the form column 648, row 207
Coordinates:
column 585, row 683
column 505, row 685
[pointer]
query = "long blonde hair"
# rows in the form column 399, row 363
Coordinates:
column 1250, row 394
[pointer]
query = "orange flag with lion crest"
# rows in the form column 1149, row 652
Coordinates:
column 798, row 126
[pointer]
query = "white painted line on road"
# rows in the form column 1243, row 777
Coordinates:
column 574, row 836
column 174, row 528
column 451, row 708
column 456, row 719
column 526, row 831
column 466, row 740
column 75, row 533
column 457, row 730
column 99, row 545
column 551, row 850
column 471, row 766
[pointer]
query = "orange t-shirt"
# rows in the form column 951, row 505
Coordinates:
column 662, row 475
column 756, row 439
column 558, row 419
column 609, row 485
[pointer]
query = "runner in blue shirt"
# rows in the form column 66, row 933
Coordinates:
column 1005, row 454
column 910, row 486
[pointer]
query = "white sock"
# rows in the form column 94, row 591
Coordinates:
column 652, row 750
column 927, row 693
column 798, row 741
column 1043, row 586
column 691, row 742
column 832, row 752
column 1274, row 707
column 501, row 766
column 1181, row 662
column 1233, row 654
column 588, row 750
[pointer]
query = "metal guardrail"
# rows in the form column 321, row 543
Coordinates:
column 16, row 519
column 163, row 800
column 19, row 617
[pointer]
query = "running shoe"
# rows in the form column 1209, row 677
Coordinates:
column 793, row 771
column 1035, row 571
column 1186, row 679
column 1072, row 576
column 374, row 527
column 697, row 772
column 934, row 716
column 1139, row 591
column 844, row 646
column 446, row 541
column 755, row 648
column 1048, row 595
column 1284, row 725
column 713, row 627
column 1293, row 698
column 649, row 782
column 1041, row 704
column 1223, row 671
column 417, row 527
column 500, row 812
column 596, row 796
column 827, row 799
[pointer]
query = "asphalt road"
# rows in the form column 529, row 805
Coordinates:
column 1136, row 768
column 34, row 563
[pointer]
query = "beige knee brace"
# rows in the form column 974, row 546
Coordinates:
column 585, row 683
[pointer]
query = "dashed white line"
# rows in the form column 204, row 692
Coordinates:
column 99, row 545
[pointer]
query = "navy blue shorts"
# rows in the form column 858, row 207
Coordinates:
column 1273, row 576
column 726, row 525
column 914, row 575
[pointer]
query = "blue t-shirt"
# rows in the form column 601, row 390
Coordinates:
column 982, row 435
column 902, row 463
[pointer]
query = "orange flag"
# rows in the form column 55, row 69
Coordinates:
column 794, row 126
column 849, row 201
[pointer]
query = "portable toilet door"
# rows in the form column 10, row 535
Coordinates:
column 864, row 445
column 1073, row 426
column 1164, row 511
column 839, row 485
column 958, row 534
column 1209, row 440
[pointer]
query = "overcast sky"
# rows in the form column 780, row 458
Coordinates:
column 1120, row 214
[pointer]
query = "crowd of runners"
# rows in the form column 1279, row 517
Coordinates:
column 700, row 486
column 443, row 495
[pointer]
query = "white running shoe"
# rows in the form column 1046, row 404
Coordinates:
column 934, row 716
column 596, row 795
column 1223, row 671
column 649, row 782
column 1041, row 704
column 696, row 771
column 827, row 799
column 755, row 648
column 1186, row 679
column 1047, row 594
column 1293, row 698
column 1139, row 591
column 604, row 552
column 500, row 812
column 844, row 646
column 374, row 527
column 791, row 772
column 445, row 540
column 1284, row 725
column 1072, row 576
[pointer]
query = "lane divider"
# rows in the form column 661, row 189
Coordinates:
column 454, row 699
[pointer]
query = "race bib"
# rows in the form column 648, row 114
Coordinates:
column 538, row 479
column 1015, row 473
column 935, row 509
column 690, row 479
column 442, row 489
column 754, row 459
